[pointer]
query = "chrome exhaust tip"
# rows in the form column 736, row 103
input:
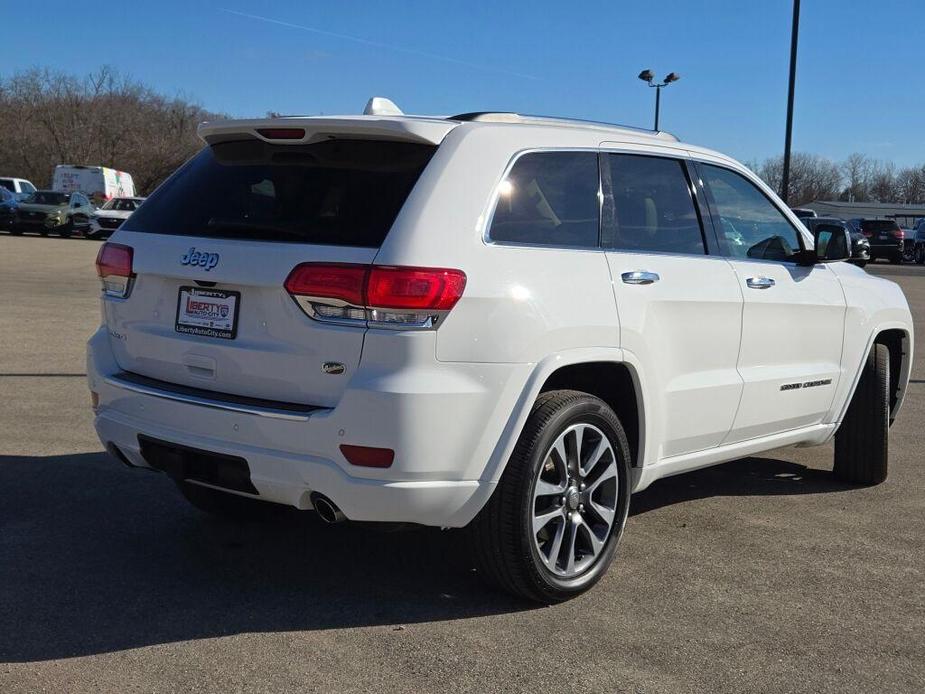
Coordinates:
column 326, row 509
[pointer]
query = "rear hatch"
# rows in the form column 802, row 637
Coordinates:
column 881, row 231
column 212, row 248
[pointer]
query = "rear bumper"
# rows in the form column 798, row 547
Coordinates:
column 437, row 426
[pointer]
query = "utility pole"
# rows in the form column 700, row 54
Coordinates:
column 794, row 33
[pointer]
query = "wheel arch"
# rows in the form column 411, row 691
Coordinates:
column 898, row 339
column 592, row 370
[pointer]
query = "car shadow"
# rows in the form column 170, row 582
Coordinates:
column 95, row 558
column 754, row 476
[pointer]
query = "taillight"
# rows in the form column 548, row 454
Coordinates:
column 381, row 295
column 899, row 234
column 114, row 267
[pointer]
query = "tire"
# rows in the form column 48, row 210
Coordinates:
column 861, row 263
column 862, row 440
column 896, row 259
column 15, row 232
column 504, row 545
column 228, row 506
column 67, row 229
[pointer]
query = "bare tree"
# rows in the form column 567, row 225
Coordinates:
column 103, row 119
column 811, row 177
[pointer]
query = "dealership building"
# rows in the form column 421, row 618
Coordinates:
column 905, row 215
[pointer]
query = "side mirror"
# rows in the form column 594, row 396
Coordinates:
column 832, row 244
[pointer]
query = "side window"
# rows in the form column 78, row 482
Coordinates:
column 750, row 224
column 653, row 210
column 549, row 199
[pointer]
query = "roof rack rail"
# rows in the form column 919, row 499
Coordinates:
column 511, row 117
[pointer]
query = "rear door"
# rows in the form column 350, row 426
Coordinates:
column 679, row 304
column 214, row 245
column 793, row 317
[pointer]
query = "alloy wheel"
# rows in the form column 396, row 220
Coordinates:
column 575, row 500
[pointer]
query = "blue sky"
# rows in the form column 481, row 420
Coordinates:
column 860, row 82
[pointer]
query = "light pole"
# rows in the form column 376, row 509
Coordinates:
column 794, row 32
column 649, row 76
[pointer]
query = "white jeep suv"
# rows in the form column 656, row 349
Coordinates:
column 502, row 322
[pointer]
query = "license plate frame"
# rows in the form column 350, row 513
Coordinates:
column 214, row 323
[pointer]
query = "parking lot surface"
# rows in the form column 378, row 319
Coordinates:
column 764, row 574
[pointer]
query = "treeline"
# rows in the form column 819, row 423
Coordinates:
column 858, row 178
column 103, row 119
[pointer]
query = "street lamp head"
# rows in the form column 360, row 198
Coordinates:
column 672, row 77
column 646, row 75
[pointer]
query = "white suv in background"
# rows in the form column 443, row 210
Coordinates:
column 501, row 322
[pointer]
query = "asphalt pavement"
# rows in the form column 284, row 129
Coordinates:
column 763, row 574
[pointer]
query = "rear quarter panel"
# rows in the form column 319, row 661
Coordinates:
column 521, row 303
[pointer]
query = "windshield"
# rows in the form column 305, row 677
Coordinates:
column 47, row 197
column 122, row 205
column 336, row 192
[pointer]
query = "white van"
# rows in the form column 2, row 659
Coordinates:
column 99, row 182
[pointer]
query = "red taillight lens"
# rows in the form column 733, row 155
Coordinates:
column 899, row 234
column 282, row 133
column 114, row 268
column 366, row 456
column 431, row 289
column 341, row 281
column 114, row 259
column 868, row 234
column 382, row 294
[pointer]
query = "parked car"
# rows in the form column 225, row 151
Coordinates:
column 860, row 246
column 884, row 235
column 108, row 218
column 48, row 211
column 8, row 204
column 803, row 212
column 918, row 243
column 17, row 185
column 97, row 182
column 488, row 321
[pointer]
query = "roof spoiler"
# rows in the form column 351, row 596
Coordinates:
column 310, row 129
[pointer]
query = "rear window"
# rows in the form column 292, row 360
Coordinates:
column 338, row 192
column 875, row 225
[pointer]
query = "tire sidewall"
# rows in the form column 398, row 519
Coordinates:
column 592, row 411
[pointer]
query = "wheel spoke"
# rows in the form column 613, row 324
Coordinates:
column 579, row 433
column 570, row 548
column 602, row 447
column 544, row 488
column 604, row 513
column 596, row 544
column 541, row 520
column 609, row 473
column 552, row 559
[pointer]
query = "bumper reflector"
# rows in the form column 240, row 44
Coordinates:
column 365, row 456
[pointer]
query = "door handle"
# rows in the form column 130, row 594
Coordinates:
column 759, row 282
column 639, row 277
